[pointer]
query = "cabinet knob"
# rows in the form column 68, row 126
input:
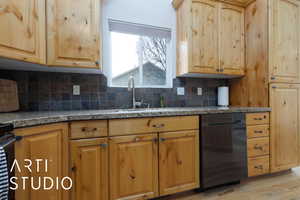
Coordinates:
column 258, row 167
column 257, row 147
column 258, row 131
column 158, row 125
column 162, row 139
column 88, row 129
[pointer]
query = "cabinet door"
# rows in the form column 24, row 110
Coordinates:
column 22, row 30
column 284, row 101
column 232, row 42
column 285, row 40
column 204, row 54
column 133, row 167
column 44, row 142
column 178, row 161
column 90, row 169
column 73, row 33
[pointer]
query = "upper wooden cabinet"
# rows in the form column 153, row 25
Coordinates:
column 53, row 32
column 73, row 33
column 43, row 142
column 285, row 41
column 22, row 30
column 210, row 38
column 232, row 41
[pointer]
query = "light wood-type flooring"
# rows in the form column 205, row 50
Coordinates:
column 281, row 186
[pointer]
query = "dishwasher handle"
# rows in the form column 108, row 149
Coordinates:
column 225, row 123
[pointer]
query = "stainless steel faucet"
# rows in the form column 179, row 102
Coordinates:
column 131, row 87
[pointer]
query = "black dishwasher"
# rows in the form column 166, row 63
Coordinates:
column 223, row 149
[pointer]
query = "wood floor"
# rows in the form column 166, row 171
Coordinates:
column 282, row 186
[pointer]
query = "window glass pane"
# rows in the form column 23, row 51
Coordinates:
column 143, row 56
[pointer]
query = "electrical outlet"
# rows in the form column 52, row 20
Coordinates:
column 180, row 91
column 199, row 91
column 76, row 89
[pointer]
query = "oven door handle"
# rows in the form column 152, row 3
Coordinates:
column 11, row 141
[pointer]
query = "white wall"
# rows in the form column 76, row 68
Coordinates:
column 150, row 12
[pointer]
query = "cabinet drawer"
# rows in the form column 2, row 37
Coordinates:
column 257, row 118
column 258, row 131
column 258, row 166
column 258, row 147
column 152, row 125
column 89, row 129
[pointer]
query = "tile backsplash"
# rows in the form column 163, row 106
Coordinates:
column 50, row 91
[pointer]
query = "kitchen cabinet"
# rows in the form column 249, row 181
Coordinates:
column 90, row 168
column 178, row 161
column 210, row 38
column 73, row 33
column 133, row 167
column 285, row 41
column 22, row 30
column 272, row 74
column 53, row 33
column 285, row 100
column 49, row 142
column 232, row 41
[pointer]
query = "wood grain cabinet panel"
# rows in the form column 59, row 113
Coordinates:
column 258, row 166
column 43, row 142
column 258, row 131
column 22, row 30
column 133, row 167
column 90, row 169
column 285, row 41
column 73, row 33
column 257, row 118
column 89, row 129
column 285, row 100
column 178, row 161
column 205, row 58
column 258, row 147
column 232, row 41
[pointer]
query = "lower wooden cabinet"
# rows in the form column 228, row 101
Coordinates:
column 178, row 161
column 133, row 167
column 89, row 159
column 44, row 142
column 285, row 118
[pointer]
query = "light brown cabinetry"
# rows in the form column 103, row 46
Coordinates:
column 285, row 126
column 285, row 40
column 162, row 159
column 89, row 158
column 178, row 161
column 44, row 142
column 73, row 33
column 59, row 33
column 22, row 30
column 272, row 74
column 258, row 143
column 133, row 167
column 210, row 38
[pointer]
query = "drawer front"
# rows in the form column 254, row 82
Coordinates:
column 152, row 125
column 89, row 129
column 257, row 118
column 258, row 131
column 258, row 166
column 258, row 147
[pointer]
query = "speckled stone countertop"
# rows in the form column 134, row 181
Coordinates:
column 25, row 119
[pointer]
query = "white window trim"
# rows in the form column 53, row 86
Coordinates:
column 169, row 70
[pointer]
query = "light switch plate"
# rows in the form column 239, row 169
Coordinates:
column 199, row 91
column 180, row 91
column 76, row 89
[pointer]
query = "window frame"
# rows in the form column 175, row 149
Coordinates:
column 169, row 69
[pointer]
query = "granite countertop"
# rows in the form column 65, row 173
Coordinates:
column 25, row 119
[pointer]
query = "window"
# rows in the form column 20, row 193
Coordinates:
column 140, row 51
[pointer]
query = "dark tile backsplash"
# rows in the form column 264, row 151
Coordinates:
column 45, row 91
